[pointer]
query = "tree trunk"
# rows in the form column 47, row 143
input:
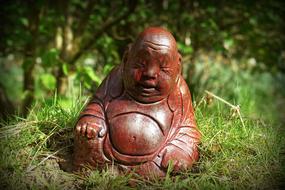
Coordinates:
column 66, row 49
column 6, row 106
column 28, row 85
column 30, row 58
column 61, row 82
column 67, row 55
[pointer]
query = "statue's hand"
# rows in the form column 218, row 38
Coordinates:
column 180, row 160
column 91, row 128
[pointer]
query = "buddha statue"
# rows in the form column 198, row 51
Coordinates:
column 141, row 117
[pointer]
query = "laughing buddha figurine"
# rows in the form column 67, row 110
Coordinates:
column 141, row 117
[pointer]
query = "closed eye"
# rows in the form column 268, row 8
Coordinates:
column 139, row 65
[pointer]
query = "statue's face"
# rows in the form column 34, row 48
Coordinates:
column 151, row 69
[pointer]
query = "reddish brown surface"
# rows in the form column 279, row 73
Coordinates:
column 141, row 116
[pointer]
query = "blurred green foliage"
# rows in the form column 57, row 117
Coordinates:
column 49, row 46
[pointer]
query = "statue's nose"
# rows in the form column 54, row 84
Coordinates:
column 151, row 71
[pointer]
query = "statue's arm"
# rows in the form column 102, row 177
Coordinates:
column 184, row 143
column 91, row 122
column 90, row 131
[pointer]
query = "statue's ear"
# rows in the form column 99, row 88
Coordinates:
column 180, row 62
column 126, row 54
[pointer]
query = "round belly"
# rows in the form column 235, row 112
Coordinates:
column 135, row 134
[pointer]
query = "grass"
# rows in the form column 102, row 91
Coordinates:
column 36, row 152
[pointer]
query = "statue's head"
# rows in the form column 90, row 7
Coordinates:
column 152, row 66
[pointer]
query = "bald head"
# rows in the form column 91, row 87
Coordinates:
column 156, row 38
column 152, row 66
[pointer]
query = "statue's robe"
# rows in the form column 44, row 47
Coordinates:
column 136, row 135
